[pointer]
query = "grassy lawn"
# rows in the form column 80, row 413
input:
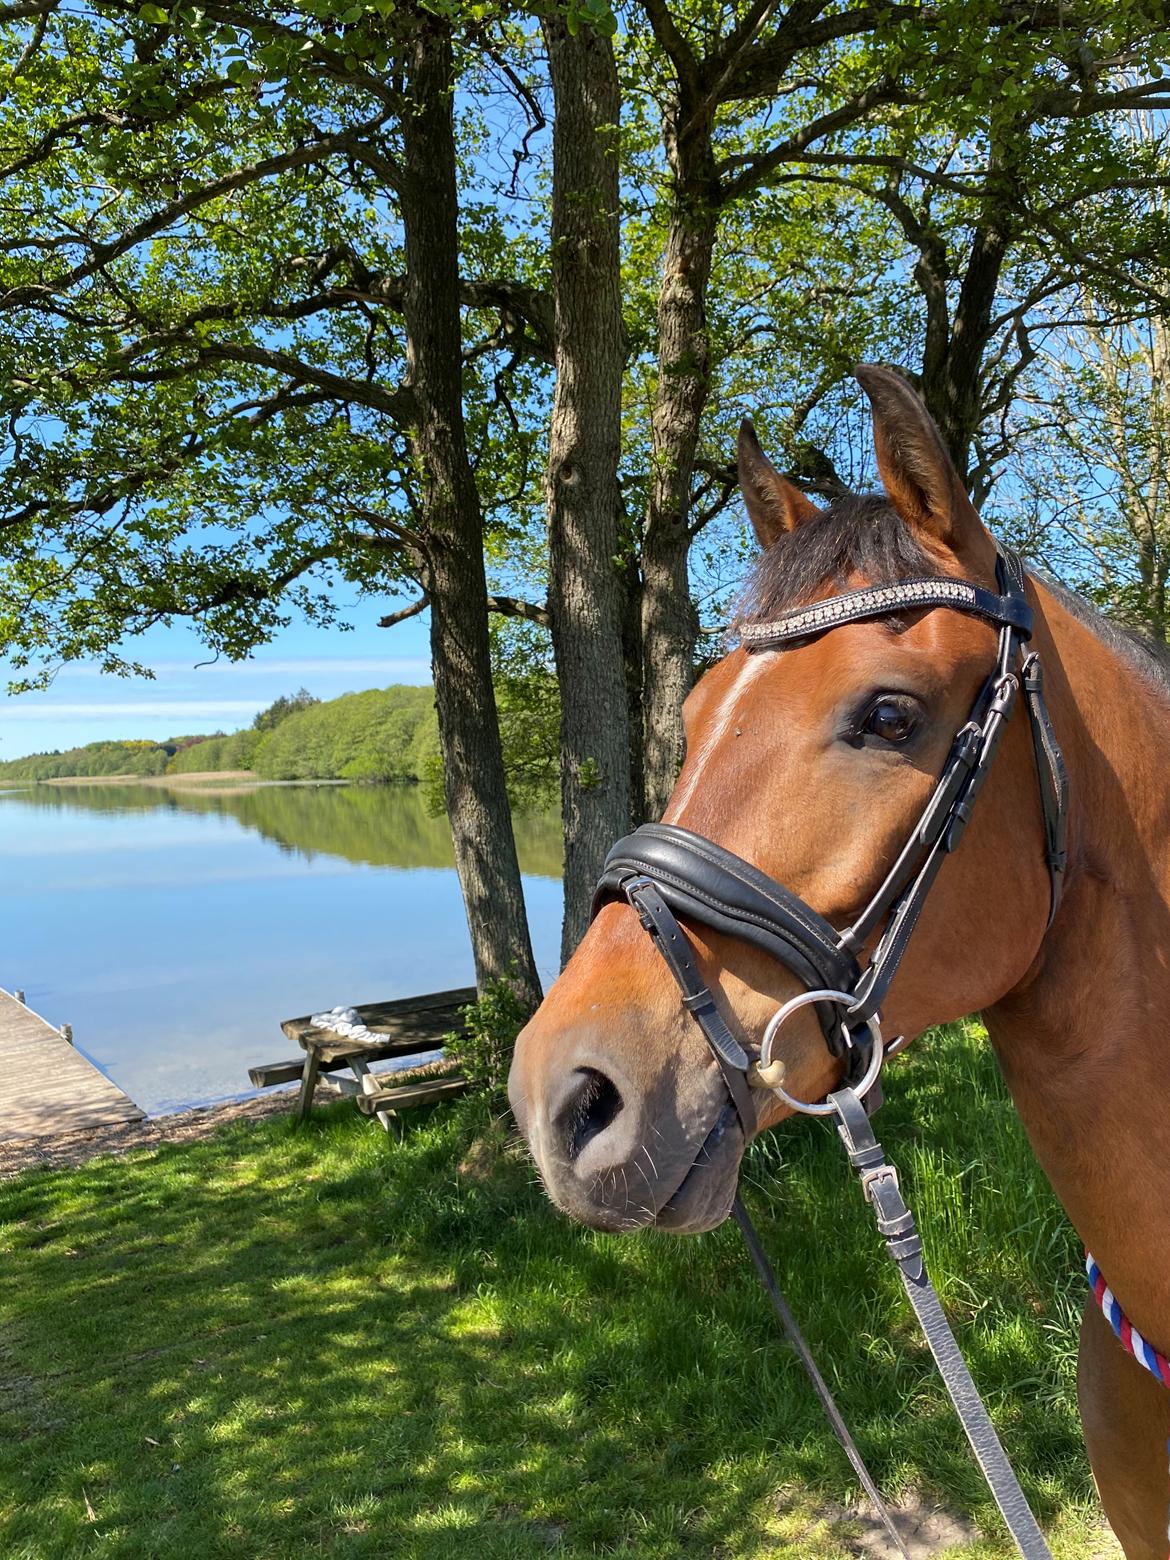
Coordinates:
column 334, row 1343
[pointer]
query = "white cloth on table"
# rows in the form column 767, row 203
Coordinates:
column 344, row 1021
column 347, row 1022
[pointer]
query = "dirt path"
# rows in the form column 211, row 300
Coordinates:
column 75, row 1148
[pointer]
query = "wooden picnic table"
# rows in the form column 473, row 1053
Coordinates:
column 405, row 1027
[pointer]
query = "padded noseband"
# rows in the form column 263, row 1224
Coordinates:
column 705, row 883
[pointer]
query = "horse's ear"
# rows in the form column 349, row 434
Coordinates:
column 916, row 471
column 775, row 506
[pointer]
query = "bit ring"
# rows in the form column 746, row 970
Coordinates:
column 843, row 999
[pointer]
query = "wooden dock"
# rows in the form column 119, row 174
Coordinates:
column 47, row 1088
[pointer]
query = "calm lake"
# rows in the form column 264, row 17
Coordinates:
column 174, row 929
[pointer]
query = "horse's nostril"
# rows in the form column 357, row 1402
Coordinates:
column 588, row 1112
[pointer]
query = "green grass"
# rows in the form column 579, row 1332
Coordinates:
column 333, row 1343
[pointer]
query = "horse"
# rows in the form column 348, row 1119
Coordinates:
column 813, row 760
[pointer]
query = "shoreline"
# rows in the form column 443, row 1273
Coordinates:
column 197, row 779
column 71, row 1149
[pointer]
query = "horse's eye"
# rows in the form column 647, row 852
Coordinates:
column 890, row 719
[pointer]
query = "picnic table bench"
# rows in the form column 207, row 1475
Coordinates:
column 410, row 1026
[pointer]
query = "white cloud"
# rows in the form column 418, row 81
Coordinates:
column 184, row 697
column 402, row 666
column 410, row 667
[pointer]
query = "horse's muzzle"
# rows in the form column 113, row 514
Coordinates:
column 620, row 1155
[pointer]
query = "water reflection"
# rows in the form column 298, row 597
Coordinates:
column 380, row 826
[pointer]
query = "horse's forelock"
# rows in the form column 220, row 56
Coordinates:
column 857, row 536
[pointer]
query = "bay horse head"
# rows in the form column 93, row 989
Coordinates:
column 810, row 758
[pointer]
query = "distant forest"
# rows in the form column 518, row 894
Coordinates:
column 381, row 735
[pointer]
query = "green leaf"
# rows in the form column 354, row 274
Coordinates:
column 153, row 13
column 273, row 56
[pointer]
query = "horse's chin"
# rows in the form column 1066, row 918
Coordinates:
column 704, row 1198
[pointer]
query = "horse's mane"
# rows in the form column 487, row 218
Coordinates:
column 1148, row 657
column 864, row 535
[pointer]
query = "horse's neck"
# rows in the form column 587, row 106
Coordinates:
column 1085, row 1042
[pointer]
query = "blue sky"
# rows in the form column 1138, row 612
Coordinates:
column 84, row 705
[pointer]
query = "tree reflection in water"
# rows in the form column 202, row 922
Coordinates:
column 378, row 826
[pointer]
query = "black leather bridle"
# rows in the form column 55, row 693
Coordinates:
column 665, row 871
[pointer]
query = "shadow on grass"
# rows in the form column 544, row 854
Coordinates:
column 335, row 1343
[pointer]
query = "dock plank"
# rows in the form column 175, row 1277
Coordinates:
column 47, row 1086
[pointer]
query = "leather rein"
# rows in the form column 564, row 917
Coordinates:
column 664, row 872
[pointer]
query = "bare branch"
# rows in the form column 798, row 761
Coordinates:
column 726, row 61
column 379, row 161
column 22, row 11
column 102, row 254
column 757, row 169
column 511, row 606
column 1150, row 96
column 32, row 47
column 677, row 49
column 760, row 68
column 403, row 613
column 392, row 533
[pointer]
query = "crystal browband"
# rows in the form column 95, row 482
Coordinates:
column 880, row 600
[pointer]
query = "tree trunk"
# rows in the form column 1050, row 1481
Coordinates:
column 669, row 621
column 953, row 362
column 583, row 500
column 1157, row 609
column 477, row 801
column 632, row 655
column 951, row 384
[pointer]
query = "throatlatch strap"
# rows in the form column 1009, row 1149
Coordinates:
column 1053, row 778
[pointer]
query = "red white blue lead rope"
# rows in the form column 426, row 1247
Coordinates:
column 1127, row 1334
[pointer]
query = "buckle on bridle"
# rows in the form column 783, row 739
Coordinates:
column 629, row 885
column 1003, row 696
column 882, row 1172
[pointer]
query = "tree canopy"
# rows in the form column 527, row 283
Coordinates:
column 457, row 307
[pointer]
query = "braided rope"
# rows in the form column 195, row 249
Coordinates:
column 1127, row 1334
column 1131, row 1340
